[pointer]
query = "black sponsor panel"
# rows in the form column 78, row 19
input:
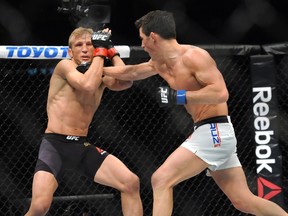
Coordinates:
column 265, row 123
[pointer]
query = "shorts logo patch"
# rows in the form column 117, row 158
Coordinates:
column 86, row 144
column 76, row 138
column 101, row 151
column 215, row 134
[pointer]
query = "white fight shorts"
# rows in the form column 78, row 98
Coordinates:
column 214, row 141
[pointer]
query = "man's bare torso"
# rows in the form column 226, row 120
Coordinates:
column 179, row 76
column 69, row 110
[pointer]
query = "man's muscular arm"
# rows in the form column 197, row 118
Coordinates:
column 116, row 84
column 214, row 89
column 112, row 83
column 89, row 81
column 131, row 72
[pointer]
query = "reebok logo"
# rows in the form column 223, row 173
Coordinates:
column 263, row 133
column 266, row 189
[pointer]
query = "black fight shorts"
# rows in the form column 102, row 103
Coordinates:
column 58, row 152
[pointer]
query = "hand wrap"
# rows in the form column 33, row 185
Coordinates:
column 102, row 52
column 112, row 52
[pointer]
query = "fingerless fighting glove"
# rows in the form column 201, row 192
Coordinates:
column 103, row 45
column 167, row 96
column 101, row 42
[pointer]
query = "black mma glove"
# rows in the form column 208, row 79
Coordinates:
column 83, row 67
column 167, row 96
column 101, row 39
column 101, row 42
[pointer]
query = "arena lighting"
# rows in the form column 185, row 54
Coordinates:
column 87, row 13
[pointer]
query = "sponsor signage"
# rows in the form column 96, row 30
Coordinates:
column 265, row 125
column 46, row 52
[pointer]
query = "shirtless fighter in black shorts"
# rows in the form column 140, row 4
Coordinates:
column 73, row 99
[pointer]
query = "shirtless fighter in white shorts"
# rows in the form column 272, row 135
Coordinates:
column 195, row 82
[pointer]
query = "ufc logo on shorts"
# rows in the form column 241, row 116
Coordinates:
column 100, row 37
column 76, row 138
column 164, row 97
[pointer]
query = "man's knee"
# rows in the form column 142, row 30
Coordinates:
column 241, row 205
column 39, row 206
column 132, row 184
column 158, row 180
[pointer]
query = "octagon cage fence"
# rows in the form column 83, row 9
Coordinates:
column 132, row 126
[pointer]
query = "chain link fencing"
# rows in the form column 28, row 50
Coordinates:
column 130, row 125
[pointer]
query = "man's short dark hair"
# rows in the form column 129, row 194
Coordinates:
column 158, row 21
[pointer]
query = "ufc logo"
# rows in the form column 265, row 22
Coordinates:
column 76, row 138
column 102, row 37
column 164, row 96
